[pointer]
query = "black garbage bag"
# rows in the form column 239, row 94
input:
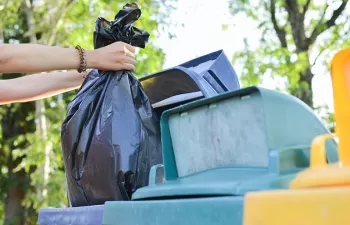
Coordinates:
column 111, row 135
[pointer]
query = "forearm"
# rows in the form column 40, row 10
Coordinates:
column 32, row 58
column 38, row 86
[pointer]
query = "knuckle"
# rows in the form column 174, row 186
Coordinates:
column 120, row 45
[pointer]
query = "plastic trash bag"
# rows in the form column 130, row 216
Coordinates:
column 111, row 135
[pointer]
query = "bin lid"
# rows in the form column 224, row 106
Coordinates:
column 238, row 129
column 178, row 98
column 209, row 75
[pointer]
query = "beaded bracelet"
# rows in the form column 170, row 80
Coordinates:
column 83, row 64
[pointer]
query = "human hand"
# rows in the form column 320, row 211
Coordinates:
column 116, row 56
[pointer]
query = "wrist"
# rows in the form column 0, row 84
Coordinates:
column 68, row 58
column 91, row 59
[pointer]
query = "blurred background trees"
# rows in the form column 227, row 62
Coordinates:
column 31, row 164
column 296, row 35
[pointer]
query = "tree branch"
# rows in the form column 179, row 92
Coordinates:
column 326, row 48
column 281, row 33
column 30, row 21
column 296, row 20
column 292, row 6
column 306, row 6
column 321, row 27
column 59, row 20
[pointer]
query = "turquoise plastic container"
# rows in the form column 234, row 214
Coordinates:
column 216, row 150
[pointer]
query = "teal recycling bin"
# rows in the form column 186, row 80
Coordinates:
column 217, row 149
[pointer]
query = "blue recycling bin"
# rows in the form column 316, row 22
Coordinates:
column 87, row 215
column 202, row 77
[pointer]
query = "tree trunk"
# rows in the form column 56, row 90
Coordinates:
column 13, row 203
column 41, row 124
column 17, row 182
column 304, row 91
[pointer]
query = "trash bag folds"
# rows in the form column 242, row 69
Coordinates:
column 111, row 135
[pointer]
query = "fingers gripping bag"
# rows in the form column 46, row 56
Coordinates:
column 111, row 135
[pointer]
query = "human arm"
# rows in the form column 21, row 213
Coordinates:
column 38, row 86
column 34, row 58
column 29, row 58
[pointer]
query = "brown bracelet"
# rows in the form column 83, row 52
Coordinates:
column 83, row 64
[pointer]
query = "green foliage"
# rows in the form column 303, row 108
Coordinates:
column 23, row 159
column 326, row 116
column 287, row 50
